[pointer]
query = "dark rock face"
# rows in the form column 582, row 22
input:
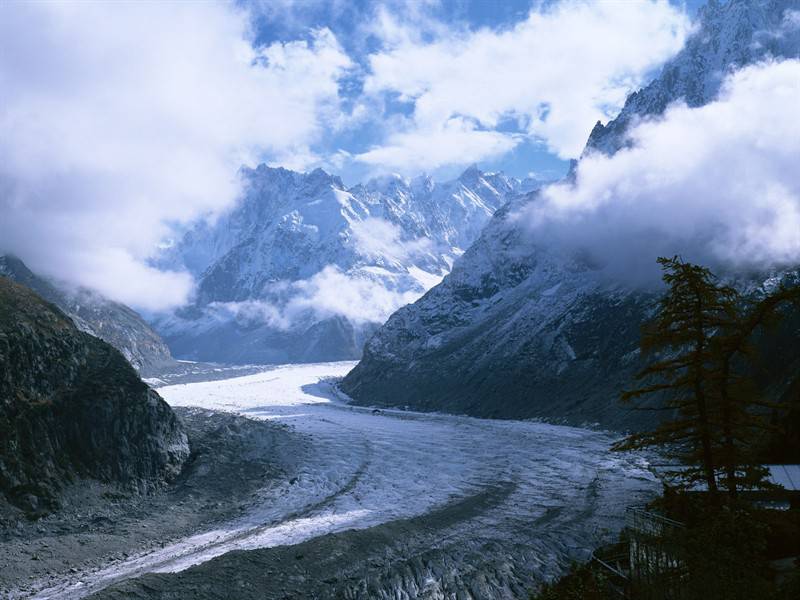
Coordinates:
column 510, row 335
column 71, row 406
column 111, row 321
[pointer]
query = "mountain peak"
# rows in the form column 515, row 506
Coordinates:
column 471, row 174
column 729, row 35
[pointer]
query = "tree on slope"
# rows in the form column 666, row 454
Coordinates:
column 703, row 361
column 693, row 309
column 741, row 409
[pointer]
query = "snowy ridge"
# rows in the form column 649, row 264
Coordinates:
column 304, row 269
column 92, row 313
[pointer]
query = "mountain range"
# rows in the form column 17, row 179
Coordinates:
column 304, row 269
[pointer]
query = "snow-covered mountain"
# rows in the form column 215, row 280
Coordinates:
column 304, row 269
column 92, row 313
column 520, row 329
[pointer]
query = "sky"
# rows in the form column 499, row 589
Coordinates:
column 120, row 120
column 385, row 41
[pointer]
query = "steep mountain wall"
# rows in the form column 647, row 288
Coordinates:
column 71, row 406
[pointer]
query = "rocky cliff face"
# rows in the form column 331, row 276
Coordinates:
column 521, row 330
column 304, row 269
column 111, row 321
column 71, row 406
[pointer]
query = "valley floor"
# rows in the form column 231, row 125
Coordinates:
column 384, row 504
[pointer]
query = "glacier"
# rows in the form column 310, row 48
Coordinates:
column 554, row 492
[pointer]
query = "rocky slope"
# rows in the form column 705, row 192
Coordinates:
column 519, row 329
column 111, row 321
column 71, row 406
column 304, row 269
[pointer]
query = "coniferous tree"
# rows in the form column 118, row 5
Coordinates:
column 693, row 309
column 703, row 367
column 741, row 409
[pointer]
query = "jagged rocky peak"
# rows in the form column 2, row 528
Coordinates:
column 113, row 322
column 471, row 175
column 72, row 407
column 728, row 35
column 423, row 184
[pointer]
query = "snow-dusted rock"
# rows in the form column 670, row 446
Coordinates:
column 731, row 35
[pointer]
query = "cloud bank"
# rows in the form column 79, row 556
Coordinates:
column 359, row 298
column 119, row 118
column 719, row 184
column 379, row 238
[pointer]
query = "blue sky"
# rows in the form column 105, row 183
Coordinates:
column 352, row 24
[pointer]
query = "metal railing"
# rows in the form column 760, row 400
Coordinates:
column 647, row 565
column 656, row 567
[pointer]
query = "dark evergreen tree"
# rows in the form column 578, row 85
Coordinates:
column 742, row 411
column 693, row 309
column 703, row 365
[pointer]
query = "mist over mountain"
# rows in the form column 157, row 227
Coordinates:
column 304, row 269
column 541, row 316
column 94, row 314
column 258, row 355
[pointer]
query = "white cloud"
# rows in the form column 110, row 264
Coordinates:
column 378, row 238
column 718, row 184
column 334, row 293
column 329, row 293
column 455, row 141
column 555, row 74
column 248, row 312
column 120, row 117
